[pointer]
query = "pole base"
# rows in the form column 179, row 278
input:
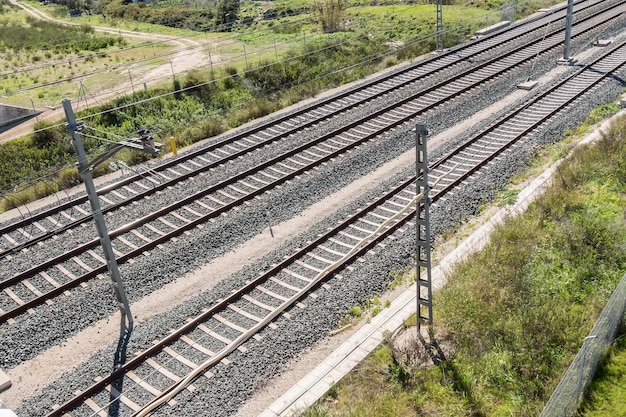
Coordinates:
column 566, row 61
column 603, row 42
column 528, row 85
column 5, row 382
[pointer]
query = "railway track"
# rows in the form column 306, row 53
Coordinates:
column 186, row 356
column 58, row 274
column 27, row 231
column 342, row 102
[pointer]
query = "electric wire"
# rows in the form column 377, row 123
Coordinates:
column 592, row 40
column 178, row 387
column 140, row 45
column 545, row 33
column 173, row 128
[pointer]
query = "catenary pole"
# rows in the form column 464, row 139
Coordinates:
column 422, row 230
column 126, row 320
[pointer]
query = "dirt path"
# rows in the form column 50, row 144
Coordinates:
column 189, row 53
column 180, row 40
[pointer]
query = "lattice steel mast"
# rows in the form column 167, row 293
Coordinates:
column 422, row 230
column 439, row 29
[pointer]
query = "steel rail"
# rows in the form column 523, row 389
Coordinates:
column 163, row 211
column 452, row 53
column 523, row 108
column 220, row 305
column 237, row 294
column 457, row 179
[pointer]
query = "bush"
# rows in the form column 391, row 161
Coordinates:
column 39, row 34
column 255, row 110
column 230, row 70
column 47, row 136
column 199, row 85
column 194, row 18
column 68, row 178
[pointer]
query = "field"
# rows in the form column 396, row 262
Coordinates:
column 68, row 62
column 607, row 392
column 42, row 62
column 272, row 57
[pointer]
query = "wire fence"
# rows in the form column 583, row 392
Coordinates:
column 566, row 398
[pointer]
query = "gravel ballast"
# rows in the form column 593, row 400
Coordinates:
column 232, row 383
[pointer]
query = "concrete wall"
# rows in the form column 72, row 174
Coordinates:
column 10, row 115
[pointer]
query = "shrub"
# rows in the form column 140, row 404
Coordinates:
column 519, row 309
column 355, row 311
column 203, row 85
column 230, row 70
column 68, row 178
column 47, row 136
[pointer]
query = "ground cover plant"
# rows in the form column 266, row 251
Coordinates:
column 205, row 106
column 41, row 61
column 516, row 313
column 194, row 18
column 293, row 59
column 33, row 67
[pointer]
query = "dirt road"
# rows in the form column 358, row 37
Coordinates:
column 189, row 53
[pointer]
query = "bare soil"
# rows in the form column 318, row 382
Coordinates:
column 188, row 54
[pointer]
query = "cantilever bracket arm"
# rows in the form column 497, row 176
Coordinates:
column 90, row 165
column 133, row 143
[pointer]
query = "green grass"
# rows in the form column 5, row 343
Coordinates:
column 218, row 105
column 406, row 22
column 387, row 22
column 516, row 312
column 34, row 54
column 60, row 13
column 366, row 308
column 310, row 61
column 508, row 197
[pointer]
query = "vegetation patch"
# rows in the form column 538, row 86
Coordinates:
column 42, row 55
column 199, row 18
column 194, row 108
column 516, row 313
column 301, row 61
column 44, row 35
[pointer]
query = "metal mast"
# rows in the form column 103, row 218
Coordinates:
column 85, row 167
column 568, row 34
column 422, row 230
column 439, row 29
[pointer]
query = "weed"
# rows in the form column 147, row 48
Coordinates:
column 332, row 390
column 399, row 373
column 517, row 311
column 315, row 411
column 607, row 391
column 355, row 311
column 411, row 321
column 508, row 197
